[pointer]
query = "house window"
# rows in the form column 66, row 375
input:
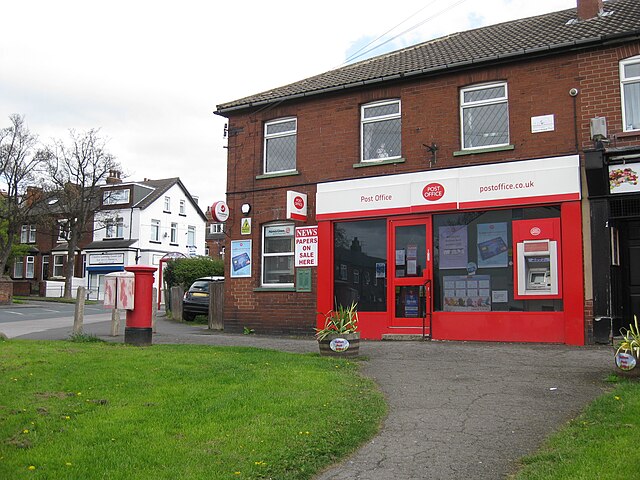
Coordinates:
column 216, row 228
column 484, row 113
column 63, row 230
column 30, row 272
column 28, row 234
column 174, row 233
column 280, row 145
column 191, row 236
column 167, row 204
column 630, row 88
column 58, row 263
column 155, row 230
column 182, row 207
column 45, row 267
column 277, row 255
column 32, row 234
column 115, row 197
column 115, row 228
column 380, row 131
column 18, row 268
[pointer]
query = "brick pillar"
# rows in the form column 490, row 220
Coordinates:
column 6, row 291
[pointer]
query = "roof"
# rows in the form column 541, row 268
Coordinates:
column 544, row 34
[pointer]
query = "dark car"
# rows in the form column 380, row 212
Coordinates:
column 196, row 299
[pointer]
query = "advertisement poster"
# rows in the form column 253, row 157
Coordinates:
column 493, row 251
column 462, row 293
column 454, row 252
column 306, row 247
column 240, row 258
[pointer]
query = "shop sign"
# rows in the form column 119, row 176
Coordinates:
column 624, row 178
column 296, row 206
column 278, row 231
column 106, row 258
column 220, row 211
column 306, row 246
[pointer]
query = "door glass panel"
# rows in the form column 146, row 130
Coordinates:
column 410, row 301
column 411, row 257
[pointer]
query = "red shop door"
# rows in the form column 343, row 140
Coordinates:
column 410, row 274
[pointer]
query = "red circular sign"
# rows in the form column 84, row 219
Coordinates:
column 298, row 202
column 220, row 211
column 535, row 231
column 433, row 192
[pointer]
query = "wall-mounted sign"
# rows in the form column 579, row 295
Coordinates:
column 624, row 178
column 106, row 258
column 543, row 123
column 220, row 211
column 240, row 258
column 245, row 226
column 303, row 279
column 296, row 206
column 306, row 246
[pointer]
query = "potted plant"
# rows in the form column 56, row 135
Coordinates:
column 628, row 351
column 340, row 337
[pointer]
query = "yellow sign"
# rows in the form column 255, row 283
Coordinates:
column 245, row 226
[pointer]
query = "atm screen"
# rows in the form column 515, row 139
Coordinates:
column 538, row 278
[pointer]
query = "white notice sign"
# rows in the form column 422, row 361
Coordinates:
column 306, row 251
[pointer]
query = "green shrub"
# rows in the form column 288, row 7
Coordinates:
column 184, row 271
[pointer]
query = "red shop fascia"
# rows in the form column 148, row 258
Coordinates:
column 487, row 253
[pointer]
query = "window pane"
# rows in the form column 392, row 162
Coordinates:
column 278, row 270
column 484, row 94
column 360, row 264
column 632, row 70
column 278, row 245
column 632, row 106
column 381, row 139
column 381, row 110
column 30, row 267
column 18, row 271
column 486, row 125
column 281, row 154
column 273, row 128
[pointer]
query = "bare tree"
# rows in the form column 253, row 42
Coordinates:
column 19, row 166
column 76, row 170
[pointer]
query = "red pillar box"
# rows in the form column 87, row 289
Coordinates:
column 138, row 330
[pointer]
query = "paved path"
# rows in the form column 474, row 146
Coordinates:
column 457, row 409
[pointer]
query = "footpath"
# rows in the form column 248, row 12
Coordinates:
column 456, row 409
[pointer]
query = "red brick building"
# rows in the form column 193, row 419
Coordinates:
column 448, row 184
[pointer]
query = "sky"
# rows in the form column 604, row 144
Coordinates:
column 150, row 73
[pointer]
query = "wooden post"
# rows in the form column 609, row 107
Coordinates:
column 78, row 317
column 115, row 322
column 154, row 310
column 176, row 303
column 216, row 302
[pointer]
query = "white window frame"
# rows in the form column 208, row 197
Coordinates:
column 483, row 103
column 268, row 136
column 380, row 118
column 58, row 265
column 624, row 80
column 191, row 236
column 32, row 234
column 279, row 254
column 216, row 228
column 24, row 233
column 182, row 207
column 167, row 204
column 155, row 231
column 18, row 268
column 174, row 233
column 63, row 230
column 30, row 267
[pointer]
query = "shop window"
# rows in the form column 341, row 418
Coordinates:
column 630, row 90
column 473, row 261
column 484, row 113
column 277, row 255
column 360, row 264
column 380, row 131
column 280, row 138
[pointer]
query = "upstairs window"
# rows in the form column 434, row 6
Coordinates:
column 484, row 113
column 280, row 145
column 28, row 234
column 114, row 228
column 155, row 231
column 174, row 232
column 630, row 89
column 63, row 230
column 216, row 228
column 380, row 131
column 182, row 207
column 167, row 204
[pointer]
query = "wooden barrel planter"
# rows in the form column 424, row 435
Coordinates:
column 346, row 345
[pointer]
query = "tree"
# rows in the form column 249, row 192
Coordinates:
column 19, row 167
column 75, row 172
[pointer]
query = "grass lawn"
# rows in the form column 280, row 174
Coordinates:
column 603, row 443
column 95, row 410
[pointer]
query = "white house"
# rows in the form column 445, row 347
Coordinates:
column 140, row 223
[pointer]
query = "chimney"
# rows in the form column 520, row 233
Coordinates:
column 114, row 177
column 588, row 9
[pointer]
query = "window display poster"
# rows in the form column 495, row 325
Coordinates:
column 240, row 258
column 493, row 251
column 462, row 293
column 453, row 247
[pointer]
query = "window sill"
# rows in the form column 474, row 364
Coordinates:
column 174, row 244
column 374, row 163
column 502, row 148
column 277, row 174
column 166, row 211
column 155, row 241
column 633, row 133
column 109, row 239
column 182, row 214
column 275, row 289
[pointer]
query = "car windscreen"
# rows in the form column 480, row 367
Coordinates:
column 199, row 287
